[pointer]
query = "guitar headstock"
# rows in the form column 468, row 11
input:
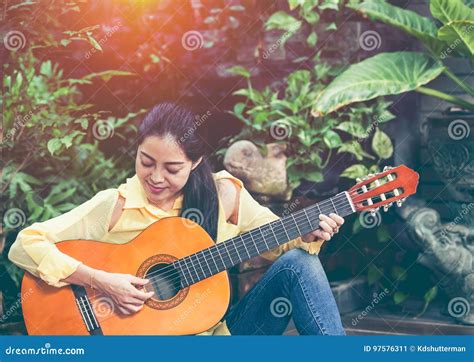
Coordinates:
column 394, row 184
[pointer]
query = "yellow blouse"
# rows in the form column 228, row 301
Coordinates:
column 34, row 248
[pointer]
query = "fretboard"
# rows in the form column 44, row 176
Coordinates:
column 226, row 254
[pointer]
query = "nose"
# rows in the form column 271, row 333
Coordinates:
column 156, row 178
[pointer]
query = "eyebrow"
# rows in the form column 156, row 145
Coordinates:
column 169, row 163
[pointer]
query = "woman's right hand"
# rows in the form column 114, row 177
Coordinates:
column 121, row 288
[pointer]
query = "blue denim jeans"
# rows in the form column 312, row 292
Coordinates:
column 294, row 286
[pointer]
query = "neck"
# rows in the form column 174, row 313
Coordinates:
column 223, row 256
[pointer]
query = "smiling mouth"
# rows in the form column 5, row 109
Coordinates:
column 155, row 189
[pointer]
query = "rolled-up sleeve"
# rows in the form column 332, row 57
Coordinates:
column 34, row 248
column 252, row 215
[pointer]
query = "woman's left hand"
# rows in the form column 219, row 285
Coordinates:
column 328, row 226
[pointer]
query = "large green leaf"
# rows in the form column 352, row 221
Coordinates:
column 459, row 33
column 447, row 11
column 419, row 26
column 383, row 74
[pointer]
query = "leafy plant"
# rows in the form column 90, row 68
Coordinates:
column 399, row 72
column 285, row 117
column 52, row 138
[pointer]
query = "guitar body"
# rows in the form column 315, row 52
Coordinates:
column 54, row 311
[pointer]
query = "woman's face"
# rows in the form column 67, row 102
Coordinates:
column 163, row 169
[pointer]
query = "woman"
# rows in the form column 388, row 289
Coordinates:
column 173, row 177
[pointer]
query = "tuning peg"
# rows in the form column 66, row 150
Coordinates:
column 385, row 207
column 374, row 211
column 387, row 168
column 399, row 203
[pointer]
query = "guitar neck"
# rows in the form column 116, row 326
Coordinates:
column 225, row 255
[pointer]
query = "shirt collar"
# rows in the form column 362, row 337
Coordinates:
column 135, row 197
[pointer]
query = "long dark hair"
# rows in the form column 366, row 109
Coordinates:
column 200, row 202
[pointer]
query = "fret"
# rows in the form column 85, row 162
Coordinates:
column 334, row 207
column 190, row 271
column 220, row 255
column 309, row 221
column 319, row 209
column 254, row 243
column 205, row 259
column 283, row 226
column 178, row 263
column 236, row 250
column 245, row 246
column 214, row 260
column 297, row 227
column 230, row 257
column 263, row 237
column 274, row 235
column 194, row 267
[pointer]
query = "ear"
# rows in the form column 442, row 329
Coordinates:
column 196, row 164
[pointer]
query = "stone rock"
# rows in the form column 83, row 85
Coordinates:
column 262, row 175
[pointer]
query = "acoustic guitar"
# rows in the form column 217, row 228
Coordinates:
column 186, row 269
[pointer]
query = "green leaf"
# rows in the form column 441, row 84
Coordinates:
column 419, row 26
column 106, row 75
column 374, row 274
column 293, row 4
column 399, row 273
column 448, row 11
column 383, row 74
column 382, row 145
column 383, row 235
column 329, row 4
column 238, row 70
column 457, row 31
column 54, row 145
column 354, row 129
column 355, row 171
column 399, row 297
column 430, row 294
column 94, row 42
column 314, row 176
column 356, row 149
column 282, row 21
column 312, row 39
column 332, row 139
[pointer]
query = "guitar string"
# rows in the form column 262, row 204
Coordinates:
column 282, row 225
column 94, row 299
column 242, row 242
column 300, row 215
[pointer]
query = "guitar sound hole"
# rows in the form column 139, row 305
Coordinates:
column 164, row 281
